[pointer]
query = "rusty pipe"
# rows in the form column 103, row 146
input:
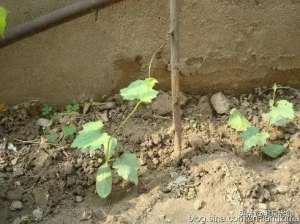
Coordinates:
column 53, row 18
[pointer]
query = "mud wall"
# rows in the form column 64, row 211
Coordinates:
column 229, row 45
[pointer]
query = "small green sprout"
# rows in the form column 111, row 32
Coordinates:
column 47, row 110
column 69, row 131
column 72, row 107
column 94, row 137
column 281, row 112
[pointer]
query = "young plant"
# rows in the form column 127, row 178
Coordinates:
column 281, row 112
column 47, row 110
column 3, row 15
column 93, row 137
column 72, row 107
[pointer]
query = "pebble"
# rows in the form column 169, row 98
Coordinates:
column 198, row 204
column 37, row 214
column 43, row 122
column 196, row 141
column 295, row 141
column 282, row 189
column 78, row 198
column 14, row 161
column 204, row 107
column 16, row 205
column 220, row 103
column 191, row 194
column 162, row 104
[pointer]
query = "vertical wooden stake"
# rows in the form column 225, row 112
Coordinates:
column 174, row 44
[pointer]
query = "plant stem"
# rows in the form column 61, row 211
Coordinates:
column 120, row 126
column 152, row 59
column 129, row 116
column 174, row 43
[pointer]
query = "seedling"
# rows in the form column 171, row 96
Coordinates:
column 72, row 107
column 3, row 15
column 93, row 137
column 281, row 112
column 47, row 110
column 69, row 131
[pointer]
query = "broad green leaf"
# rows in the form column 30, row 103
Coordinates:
column 273, row 150
column 127, row 167
column 253, row 137
column 281, row 113
column 92, row 137
column 141, row 90
column 52, row 137
column 69, row 130
column 3, row 15
column 104, row 180
column 238, row 121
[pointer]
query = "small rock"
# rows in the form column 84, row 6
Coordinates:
column 43, row 122
column 166, row 189
column 78, row 198
column 196, row 141
column 198, row 204
column 142, row 160
column 14, row 161
column 12, row 147
column 37, row 214
column 191, row 194
column 86, row 215
column 162, row 104
column 220, row 103
column 79, row 162
column 16, row 205
column 204, row 107
column 156, row 138
column 295, row 141
column 104, row 116
column 155, row 161
column 282, row 189
column 107, row 106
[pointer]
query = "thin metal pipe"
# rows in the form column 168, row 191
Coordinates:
column 54, row 18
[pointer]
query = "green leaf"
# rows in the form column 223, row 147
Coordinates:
column 46, row 110
column 281, row 113
column 3, row 15
column 238, row 121
column 69, row 130
column 253, row 137
column 273, row 150
column 127, row 167
column 141, row 90
column 52, row 137
column 92, row 137
column 72, row 107
column 104, row 180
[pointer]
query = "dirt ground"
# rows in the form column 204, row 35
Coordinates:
column 54, row 184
